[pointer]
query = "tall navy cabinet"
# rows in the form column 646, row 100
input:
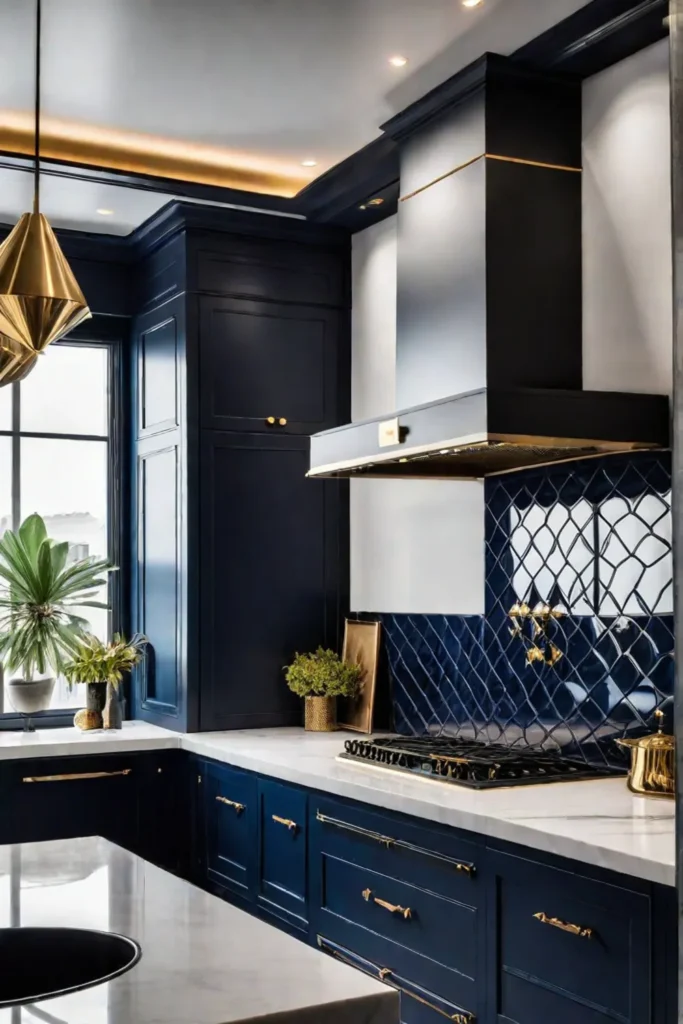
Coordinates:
column 241, row 351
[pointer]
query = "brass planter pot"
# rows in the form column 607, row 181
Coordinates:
column 321, row 714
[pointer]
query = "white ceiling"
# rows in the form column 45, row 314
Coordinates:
column 69, row 203
column 280, row 79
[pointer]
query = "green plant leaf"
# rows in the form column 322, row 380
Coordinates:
column 32, row 534
column 60, row 553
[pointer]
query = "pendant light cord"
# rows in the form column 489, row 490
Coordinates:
column 36, row 180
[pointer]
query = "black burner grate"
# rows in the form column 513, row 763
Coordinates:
column 472, row 764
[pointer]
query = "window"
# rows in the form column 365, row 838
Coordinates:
column 55, row 441
column 613, row 559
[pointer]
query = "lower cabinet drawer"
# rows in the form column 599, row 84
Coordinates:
column 230, row 820
column 283, row 862
column 418, row 1005
column 570, row 948
column 407, row 930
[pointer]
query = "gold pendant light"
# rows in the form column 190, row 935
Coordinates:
column 40, row 300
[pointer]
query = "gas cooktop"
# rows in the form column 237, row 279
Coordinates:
column 472, row 764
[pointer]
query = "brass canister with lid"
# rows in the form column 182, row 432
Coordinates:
column 653, row 762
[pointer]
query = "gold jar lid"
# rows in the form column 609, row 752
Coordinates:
column 656, row 740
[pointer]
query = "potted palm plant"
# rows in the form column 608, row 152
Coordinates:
column 320, row 678
column 102, row 668
column 39, row 594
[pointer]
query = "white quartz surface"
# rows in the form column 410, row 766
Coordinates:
column 203, row 961
column 55, row 742
column 598, row 823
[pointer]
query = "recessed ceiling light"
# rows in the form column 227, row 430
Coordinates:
column 308, row 163
column 104, row 212
column 398, row 61
column 472, row 3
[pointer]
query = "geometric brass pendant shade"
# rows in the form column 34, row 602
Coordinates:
column 16, row 361
column 40, row 300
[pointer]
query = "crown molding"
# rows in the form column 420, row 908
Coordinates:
column 598, row 35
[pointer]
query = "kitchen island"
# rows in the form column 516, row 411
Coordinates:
column 203, row 961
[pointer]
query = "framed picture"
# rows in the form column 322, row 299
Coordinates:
column 361, row 645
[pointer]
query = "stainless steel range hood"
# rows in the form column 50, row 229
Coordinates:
column 489, row 318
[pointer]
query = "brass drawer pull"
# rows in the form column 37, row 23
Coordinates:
column 270, row 421
column 74, row 776
column 287, row 822
column 384, row 974
column 282, row 422
column 231, row 803
column 389, row 843
column 393, row 908
column 573, row 929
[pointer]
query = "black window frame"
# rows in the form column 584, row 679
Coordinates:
column 110, row 333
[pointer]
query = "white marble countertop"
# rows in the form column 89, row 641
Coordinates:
column 599, row 823
column 58, row 742
column 203, row 961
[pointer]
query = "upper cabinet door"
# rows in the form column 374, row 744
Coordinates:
column 266, row 366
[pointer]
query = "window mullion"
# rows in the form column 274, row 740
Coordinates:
column 16, row 456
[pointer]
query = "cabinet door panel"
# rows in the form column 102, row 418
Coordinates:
column 283, row 862
column 68, row 797
column 230, row 820
column 585, row 942
column 278, row 271
column 269, row 576
column 261, row 360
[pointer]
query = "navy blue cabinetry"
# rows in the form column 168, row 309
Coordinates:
column 239, row 560
column 283, row 852
column 462, row 926
column 404, row 897
column 229, row 820
column 270, row 575
column 67, row 797
column 161, row 513
column 269, row 366
column 567, row 947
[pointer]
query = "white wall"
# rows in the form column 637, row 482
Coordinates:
column 416, row 546
column 627, row 270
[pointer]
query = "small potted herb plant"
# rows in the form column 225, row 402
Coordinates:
column 40, row 595
column 101, row 667
column 320, row 678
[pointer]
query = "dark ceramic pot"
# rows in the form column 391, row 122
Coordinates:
column 112, row 716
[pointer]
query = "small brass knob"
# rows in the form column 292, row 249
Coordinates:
column 271, row 421
column 282, row 421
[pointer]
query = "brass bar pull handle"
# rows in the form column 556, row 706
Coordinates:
column 366, row 833
column 393, row 908
column 384, row 974
column 231, row 803
column 287, row 822
column 565, row 926
column 74, row 776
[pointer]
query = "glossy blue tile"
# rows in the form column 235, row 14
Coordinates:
column 592, row 540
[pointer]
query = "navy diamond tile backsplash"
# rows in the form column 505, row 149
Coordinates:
column 592, row 542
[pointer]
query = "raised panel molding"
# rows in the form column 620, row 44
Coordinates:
column 158, row 398
column 271, row 272
column 261, row 359
column 160, row 578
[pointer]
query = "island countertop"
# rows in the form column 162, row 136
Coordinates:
column 596, row 822
column 203, row 961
